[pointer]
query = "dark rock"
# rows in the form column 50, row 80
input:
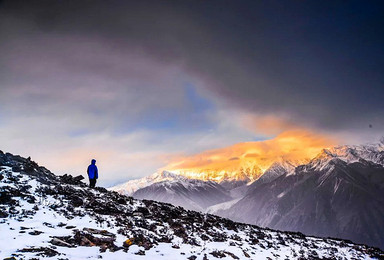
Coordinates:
column 85, row 238
column 16, row 169
column 58, row 242
column 24, row 228
column 48, row 224
column 35, row 232
column 143, row 210
column 231, row 254
column 246, row 254
column 78, row 178
column 31, row 199
column 6, row 196
column 99, row 232
column 76, row 201
column 140, row 252
column 70, row 227
column 218, row 254
column 69, row 179
column 42, row 251
column 3, row 214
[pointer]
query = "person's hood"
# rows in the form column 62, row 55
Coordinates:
column 93, row 161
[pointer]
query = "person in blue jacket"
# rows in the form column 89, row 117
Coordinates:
column 93, row 173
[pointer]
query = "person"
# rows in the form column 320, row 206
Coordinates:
column 93, row 173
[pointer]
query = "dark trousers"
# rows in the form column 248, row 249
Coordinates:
column 92, row 182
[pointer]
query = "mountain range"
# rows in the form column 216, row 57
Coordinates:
column 43, row 215
column 338, row 193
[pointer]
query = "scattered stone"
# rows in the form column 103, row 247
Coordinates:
column 48, row 224
column 218, row 254
column 24, row 228
column 86, row 238
column 16, row 169
column 231, row 254
column 140, row 252
column 58, row 242
column 246, row 254
column 76, row 201
column 70, row 227
column 69, row 179
column 35, row 232
column 99, row 232
column 3, row 214
column 42, row 251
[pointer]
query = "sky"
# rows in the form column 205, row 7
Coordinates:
column 140, row 84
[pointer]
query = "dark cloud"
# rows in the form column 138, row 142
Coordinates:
column 317, row 63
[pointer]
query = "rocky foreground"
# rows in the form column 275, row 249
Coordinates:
column 58, row 217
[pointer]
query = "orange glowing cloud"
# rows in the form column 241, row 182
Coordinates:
column 267, row 124
column 251, row 159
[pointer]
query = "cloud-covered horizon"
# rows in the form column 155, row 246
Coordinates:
column 138, row 83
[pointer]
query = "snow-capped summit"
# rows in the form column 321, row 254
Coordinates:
column 373, row 153
column 281, row 167
column 247, row 172
column 354, row 153
column 175, row 189
column 129, row 187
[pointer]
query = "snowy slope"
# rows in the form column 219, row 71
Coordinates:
column 188, row 193
column 44, row 215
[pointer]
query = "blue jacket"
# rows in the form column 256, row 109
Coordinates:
column 92, row 170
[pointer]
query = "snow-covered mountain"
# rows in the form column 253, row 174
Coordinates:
column 212, row 187
column 339, row 193
column 197, row 190
column 188, row 193
column 175, row 189
column 58, row 217
column 129, row 187
column 279, row 168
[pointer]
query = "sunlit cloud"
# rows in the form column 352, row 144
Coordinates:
column 293, row 145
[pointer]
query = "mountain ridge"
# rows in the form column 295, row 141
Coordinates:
column 62, row 218
column 320, row 198
column 338, row 167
